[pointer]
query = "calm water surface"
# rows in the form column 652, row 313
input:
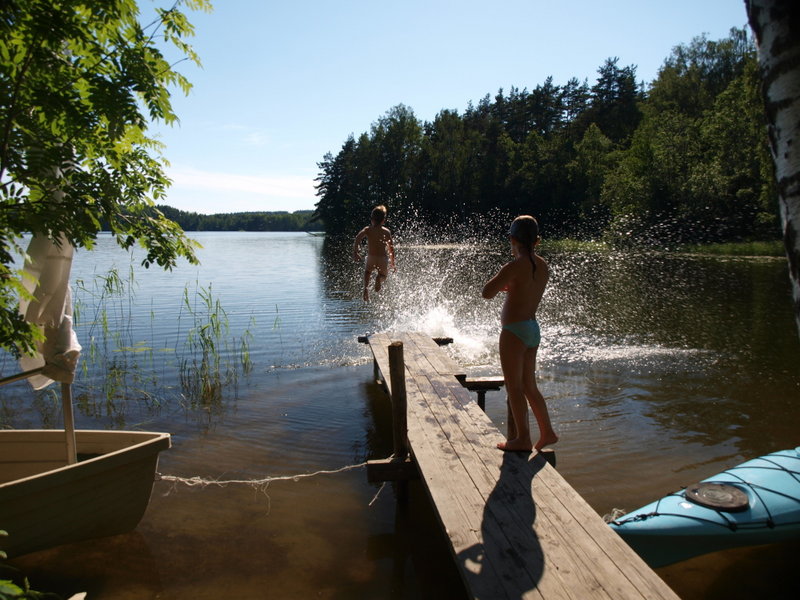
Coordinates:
column 659, row 371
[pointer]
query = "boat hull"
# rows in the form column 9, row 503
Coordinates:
column 44, row 502
column 676, row 528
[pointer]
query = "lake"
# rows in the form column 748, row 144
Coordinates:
column 659, row 370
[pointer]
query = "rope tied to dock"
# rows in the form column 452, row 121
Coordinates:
column 198, row 481
column 257, row 484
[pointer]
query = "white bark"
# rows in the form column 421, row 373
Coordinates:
column 776, row 24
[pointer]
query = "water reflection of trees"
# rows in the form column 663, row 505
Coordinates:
column 673, row 300
column 338, row 270
column 707, row 348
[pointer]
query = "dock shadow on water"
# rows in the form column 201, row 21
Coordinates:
column 515, row 560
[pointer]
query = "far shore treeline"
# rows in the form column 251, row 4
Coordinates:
column 683, row 159
column 242, row 221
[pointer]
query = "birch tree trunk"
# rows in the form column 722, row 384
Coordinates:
column 776, row 25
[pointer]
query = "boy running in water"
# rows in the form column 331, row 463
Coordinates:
column 380, row 249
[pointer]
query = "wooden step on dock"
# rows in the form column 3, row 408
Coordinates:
column 517, row 529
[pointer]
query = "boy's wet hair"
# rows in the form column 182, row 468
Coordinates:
column 378, row 214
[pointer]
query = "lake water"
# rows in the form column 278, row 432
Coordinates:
column 659, row 370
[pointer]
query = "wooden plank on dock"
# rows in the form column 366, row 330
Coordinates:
column 517, row 529
column 438, row 359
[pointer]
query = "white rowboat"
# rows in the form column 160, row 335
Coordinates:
column 46, row 502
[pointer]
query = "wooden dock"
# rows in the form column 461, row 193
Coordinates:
column 517, row 529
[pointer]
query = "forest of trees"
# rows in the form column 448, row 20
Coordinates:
column 243, row 221
column 683, row 159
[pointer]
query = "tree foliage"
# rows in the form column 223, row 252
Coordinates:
column 684, row 159
column 79, row 82
column 242, row 221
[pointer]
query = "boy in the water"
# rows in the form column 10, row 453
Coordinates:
column 380, row 249
column 523, row 280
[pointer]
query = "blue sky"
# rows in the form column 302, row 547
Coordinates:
column 282, row 83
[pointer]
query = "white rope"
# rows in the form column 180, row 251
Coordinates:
column 198, row 481
column 378, row 493
column 257, row 484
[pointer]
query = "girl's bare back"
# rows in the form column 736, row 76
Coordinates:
column 524, row 289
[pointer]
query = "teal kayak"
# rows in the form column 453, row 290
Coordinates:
column 757, row 502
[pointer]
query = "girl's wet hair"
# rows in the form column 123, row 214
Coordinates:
column 525, row 229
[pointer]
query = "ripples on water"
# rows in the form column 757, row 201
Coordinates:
column 659, row 371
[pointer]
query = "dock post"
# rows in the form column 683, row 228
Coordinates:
column 397, row 376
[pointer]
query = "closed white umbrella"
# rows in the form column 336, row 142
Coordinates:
column 47, row 271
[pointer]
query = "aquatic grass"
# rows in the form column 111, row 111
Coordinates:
column 209, row 367
column 244, row 348
column 111, row 349
column 758, row 248
column 107, row 292
column 276, row 326
column 48, row 405
column 771, row 248
column 117, row 369
column 573, row 245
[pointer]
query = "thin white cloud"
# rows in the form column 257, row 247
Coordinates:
column 255, row 138
column 242, row 133
column 229, row 127
column 285, row 186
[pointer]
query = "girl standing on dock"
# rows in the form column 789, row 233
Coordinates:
column 523, row 280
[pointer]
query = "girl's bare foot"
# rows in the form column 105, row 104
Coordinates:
column 379, row 282
column 366, row 295
column 515, row 445
column 546, row 440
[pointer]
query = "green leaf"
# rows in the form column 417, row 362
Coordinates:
column 87, row 79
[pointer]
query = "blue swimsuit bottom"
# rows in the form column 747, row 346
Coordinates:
column 527, row 331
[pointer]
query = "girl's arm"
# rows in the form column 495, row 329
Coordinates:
column 498, row 283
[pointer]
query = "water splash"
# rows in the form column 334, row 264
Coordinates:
column 600, row 307
column 436, row 290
